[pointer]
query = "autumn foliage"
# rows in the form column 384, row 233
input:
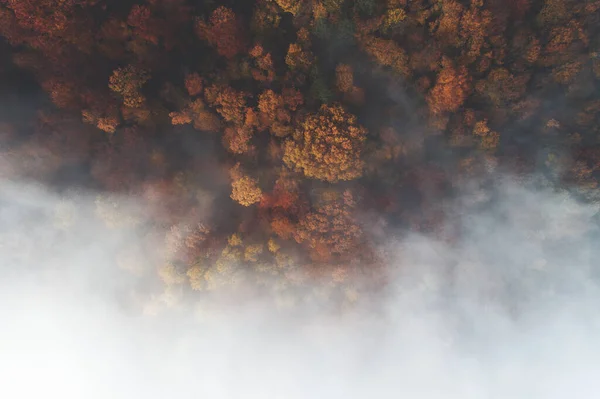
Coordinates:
column 264, row 138
column 223, row 31
column 328, row 145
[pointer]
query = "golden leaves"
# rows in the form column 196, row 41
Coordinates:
column 128, row 81
column 244, row 189
column 387, row 53
column 489, row 138
column 328, row 145
column 291, row 6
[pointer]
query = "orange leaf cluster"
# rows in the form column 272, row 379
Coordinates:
column 451, row 89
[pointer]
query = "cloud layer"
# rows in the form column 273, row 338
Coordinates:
column 505, row 309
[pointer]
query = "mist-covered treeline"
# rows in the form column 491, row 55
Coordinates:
column 275, row 143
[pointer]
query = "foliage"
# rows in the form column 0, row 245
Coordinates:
column 308, row 115
column 328, row 145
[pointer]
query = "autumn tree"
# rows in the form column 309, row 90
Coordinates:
column 236, row 139
column 264, row 70
column 328, row 145
column 275, row 111
column 144, row 24
column 330, row 230
column 127, row 82
column 502, row 87
column 230, row 103
column 344, row 78
column 446, row 28
column 198, row 114
column 223, row 31
column 299, row 58
column 244, row 189
column 194, row 84
column 474, row 25
column 344, row 81
column 451, row 89
column 386, row 52
column 291, row 6
column 489, row 138
column 266, row 16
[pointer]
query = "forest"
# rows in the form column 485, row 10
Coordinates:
column 273, row 145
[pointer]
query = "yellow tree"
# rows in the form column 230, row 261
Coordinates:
column 328, row 145
column 244, row 189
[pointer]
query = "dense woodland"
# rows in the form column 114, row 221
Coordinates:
column 270, row 144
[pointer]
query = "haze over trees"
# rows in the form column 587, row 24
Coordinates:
column 266, row 138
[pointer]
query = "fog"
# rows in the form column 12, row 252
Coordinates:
column 509, row 310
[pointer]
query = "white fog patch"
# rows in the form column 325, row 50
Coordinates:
column 509, row 309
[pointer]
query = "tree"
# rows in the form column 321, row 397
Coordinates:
column 502, row 87
column 344, row 78
column 330, row 229
column 489, row 138
column 244, row 189
column 298, row 58
column 196, row 113
column 273, row 113
column 264, row 71
column 291, row 6
column 328, row 145
column 266, row 16
column 451, row 89
column 237, row 139
column 223, row 31
column 194, row 84
column 144, row 25
column 386, row 52
column 447, row 27
column 230, row 104
column 127, row 82
column 474, row 28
